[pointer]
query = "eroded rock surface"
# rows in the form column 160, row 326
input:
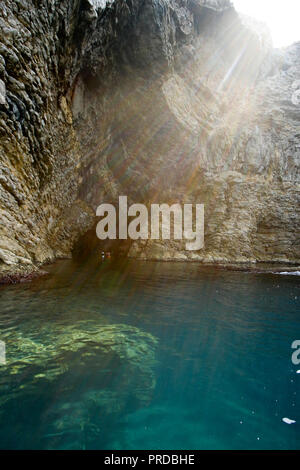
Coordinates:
column 161, row 100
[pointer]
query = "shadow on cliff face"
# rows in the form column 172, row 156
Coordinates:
column 89, row 247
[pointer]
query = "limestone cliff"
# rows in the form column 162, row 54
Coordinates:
column 162, row 100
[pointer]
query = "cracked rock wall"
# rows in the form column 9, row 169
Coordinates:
column 162, row 100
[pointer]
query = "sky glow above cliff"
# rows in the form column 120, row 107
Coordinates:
column 281, row 17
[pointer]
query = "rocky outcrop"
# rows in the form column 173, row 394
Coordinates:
column 161, row 100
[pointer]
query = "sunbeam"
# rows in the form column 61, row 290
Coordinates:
column 282, row 19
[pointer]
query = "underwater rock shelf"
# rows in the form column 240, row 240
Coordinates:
column 53, row 358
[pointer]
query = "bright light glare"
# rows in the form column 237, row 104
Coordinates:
column 282, row 17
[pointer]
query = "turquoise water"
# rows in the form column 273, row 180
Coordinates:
column 136, row 355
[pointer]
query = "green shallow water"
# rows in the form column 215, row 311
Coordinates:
column 134, row 355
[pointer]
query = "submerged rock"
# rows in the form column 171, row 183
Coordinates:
column 95, row 372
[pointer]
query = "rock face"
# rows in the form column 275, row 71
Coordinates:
column 161, row 100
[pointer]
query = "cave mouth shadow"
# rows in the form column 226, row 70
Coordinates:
column 90, row 246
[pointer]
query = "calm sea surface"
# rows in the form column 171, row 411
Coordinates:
column 136, row 355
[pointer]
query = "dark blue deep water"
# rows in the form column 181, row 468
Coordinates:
column 190, row 358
